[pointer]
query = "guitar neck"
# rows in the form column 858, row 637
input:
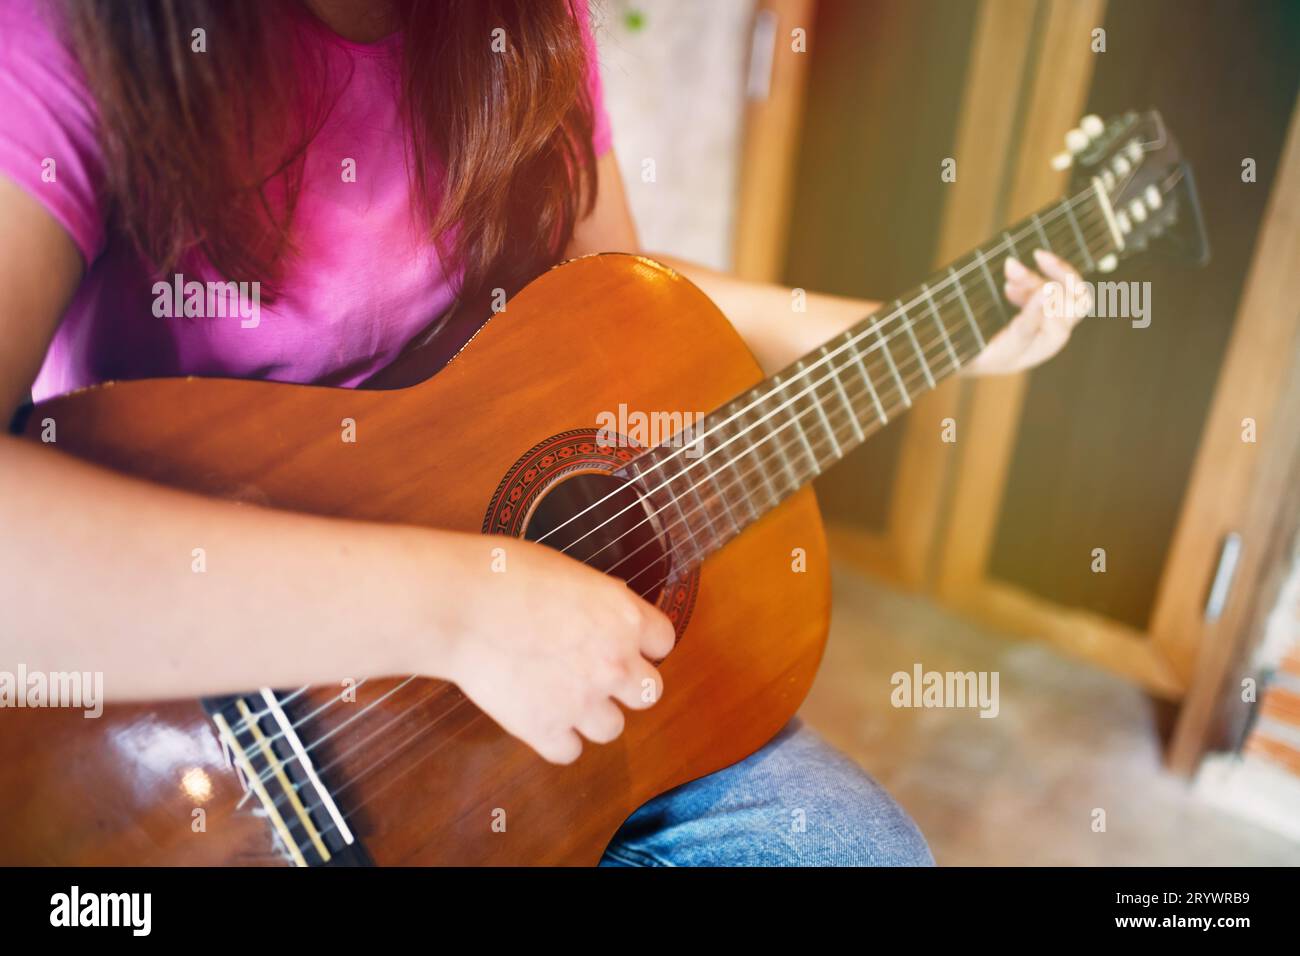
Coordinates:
column 751, row 454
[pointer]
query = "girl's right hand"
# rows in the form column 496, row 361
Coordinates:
column 548, row 645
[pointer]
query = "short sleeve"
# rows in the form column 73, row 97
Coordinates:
column 48, row 142
column 602, row 134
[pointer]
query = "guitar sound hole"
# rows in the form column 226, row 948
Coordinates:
column 602, row 522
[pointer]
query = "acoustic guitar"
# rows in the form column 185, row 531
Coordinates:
column 526, row 430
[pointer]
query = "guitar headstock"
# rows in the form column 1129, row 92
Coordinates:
column 1136, row 163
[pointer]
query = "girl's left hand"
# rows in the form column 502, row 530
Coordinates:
column 1037, row 332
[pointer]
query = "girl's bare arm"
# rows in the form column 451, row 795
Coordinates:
column 96, row 574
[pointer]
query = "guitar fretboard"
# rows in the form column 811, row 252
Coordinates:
column 760, row 448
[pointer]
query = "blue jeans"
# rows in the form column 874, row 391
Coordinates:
column 796, row 802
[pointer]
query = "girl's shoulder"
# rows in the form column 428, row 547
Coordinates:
column 48, row 120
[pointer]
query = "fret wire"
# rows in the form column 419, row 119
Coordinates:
column 762, row 448
column 692, row 534
column 674, row 540
column 1106, row 239
column 939, row 314
column 1078, row 237
column 993, row 286
column 964, row 331
column 916, row 346
column 889, row 359
column 719, row 510
column 961, row 297
column 803, row 437
column 988, row 307
column 713, row 491
column 788, row 465
column 943, row 329
column 844, row 399
column 815, row 400
column 846, row 428
column 700, row 509
column 862, row 370
column 1041, row 234
column 773, row 495
column 739, row 437
column 1048, row 243
column 867, row 370
column 867, row 380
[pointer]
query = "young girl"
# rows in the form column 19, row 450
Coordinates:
column 368, row 163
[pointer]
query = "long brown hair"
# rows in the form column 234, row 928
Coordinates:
column 204, row 152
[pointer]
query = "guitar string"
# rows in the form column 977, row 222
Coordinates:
column 244, row 722
column 982, row 306
column 826, row 438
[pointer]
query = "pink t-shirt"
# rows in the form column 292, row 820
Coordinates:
column 362, row 283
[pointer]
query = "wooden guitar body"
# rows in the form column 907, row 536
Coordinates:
column 423, row 776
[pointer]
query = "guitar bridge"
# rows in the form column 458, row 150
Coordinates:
column 261, row 744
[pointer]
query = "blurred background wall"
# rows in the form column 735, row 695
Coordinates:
column 674, row 73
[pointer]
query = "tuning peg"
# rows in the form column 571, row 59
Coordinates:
column 1137, row 210
column 1107, row 263
column 1092, row 125
column 1076, row 140
column 1122, row 220
column 1062, row 161
column 1153, row 197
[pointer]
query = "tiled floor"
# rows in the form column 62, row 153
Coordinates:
column 1022, row 787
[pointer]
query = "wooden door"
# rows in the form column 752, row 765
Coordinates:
column 1132, row 440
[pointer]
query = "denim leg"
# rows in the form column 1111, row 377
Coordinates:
column 796, row 802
